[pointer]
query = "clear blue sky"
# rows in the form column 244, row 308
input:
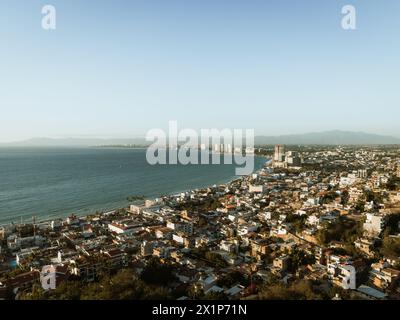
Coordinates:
column 118, row 68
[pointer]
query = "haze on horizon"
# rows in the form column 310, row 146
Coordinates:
column 115, row 69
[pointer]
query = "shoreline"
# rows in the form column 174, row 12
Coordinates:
column 171, row 194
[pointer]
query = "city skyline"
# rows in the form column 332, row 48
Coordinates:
column 120, row 69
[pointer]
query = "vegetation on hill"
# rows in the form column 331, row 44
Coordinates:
column 124, row 285
column 343, row 229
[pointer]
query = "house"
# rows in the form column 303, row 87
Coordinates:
column 235, row 292
column 256, row 189
column 115, row 257
column 64, row 255
column 22, row 281
column 15, row 242
column 371, row 293
column 374, row 224
column 260, row 246
column 231, row 246
column 163, row 233
column 123, row 228
column 330, row 217
column 382, row 277
column 88, row 268
column 366, row 246
column 342, row 275
column 135, row 209
column 347, row 181
column 208, row 282
column 185, row 227
column 73, row 220
column 24, row 256
column 161, row 252
column 355, row 195
column 313, row 220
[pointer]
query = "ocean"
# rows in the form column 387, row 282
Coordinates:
column 56, row 182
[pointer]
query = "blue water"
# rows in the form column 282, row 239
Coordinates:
column 53, row 182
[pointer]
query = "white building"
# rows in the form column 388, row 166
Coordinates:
column 343, row 275
column 178, row 238
column 374, row 224
column 256, row 189
column 123, row 229
column 15, row 243
column 229, row 246
column 185, row 227
column 313, row 220
column 135, row 209
column 347, row 181
column 245, row 229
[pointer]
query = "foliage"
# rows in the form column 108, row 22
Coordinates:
column 360, row 206
column 37, row 293
column 300, row 258
column 68, row 290
column 373, row 196
column 344, row 230
column 300, row 290
column 297, row 221
column 233, row 278
column 206, row 205
column 135, row 198
column 157, row 273
column 329, row 197
column 124, row 285
column 392, row 224
column 345, row 197
column 391, row 247
column 215, row 259
column 393, row 184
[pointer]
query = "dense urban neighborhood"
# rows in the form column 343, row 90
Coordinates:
column 316, row 222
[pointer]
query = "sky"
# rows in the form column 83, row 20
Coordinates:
column 117, row 68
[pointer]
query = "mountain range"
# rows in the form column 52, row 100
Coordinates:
column 335, row 137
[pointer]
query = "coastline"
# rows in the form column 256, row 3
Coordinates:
column 170, row 194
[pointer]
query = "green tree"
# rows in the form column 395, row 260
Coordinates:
column 157, row 273
column 36, row 293
column 300, row 290
column 233, row 278
column 391, row 247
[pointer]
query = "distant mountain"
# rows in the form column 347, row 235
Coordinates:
column 335, row 137
column 75, row 142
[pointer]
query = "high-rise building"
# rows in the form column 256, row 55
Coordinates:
column 292, row 159
column 279, row 155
